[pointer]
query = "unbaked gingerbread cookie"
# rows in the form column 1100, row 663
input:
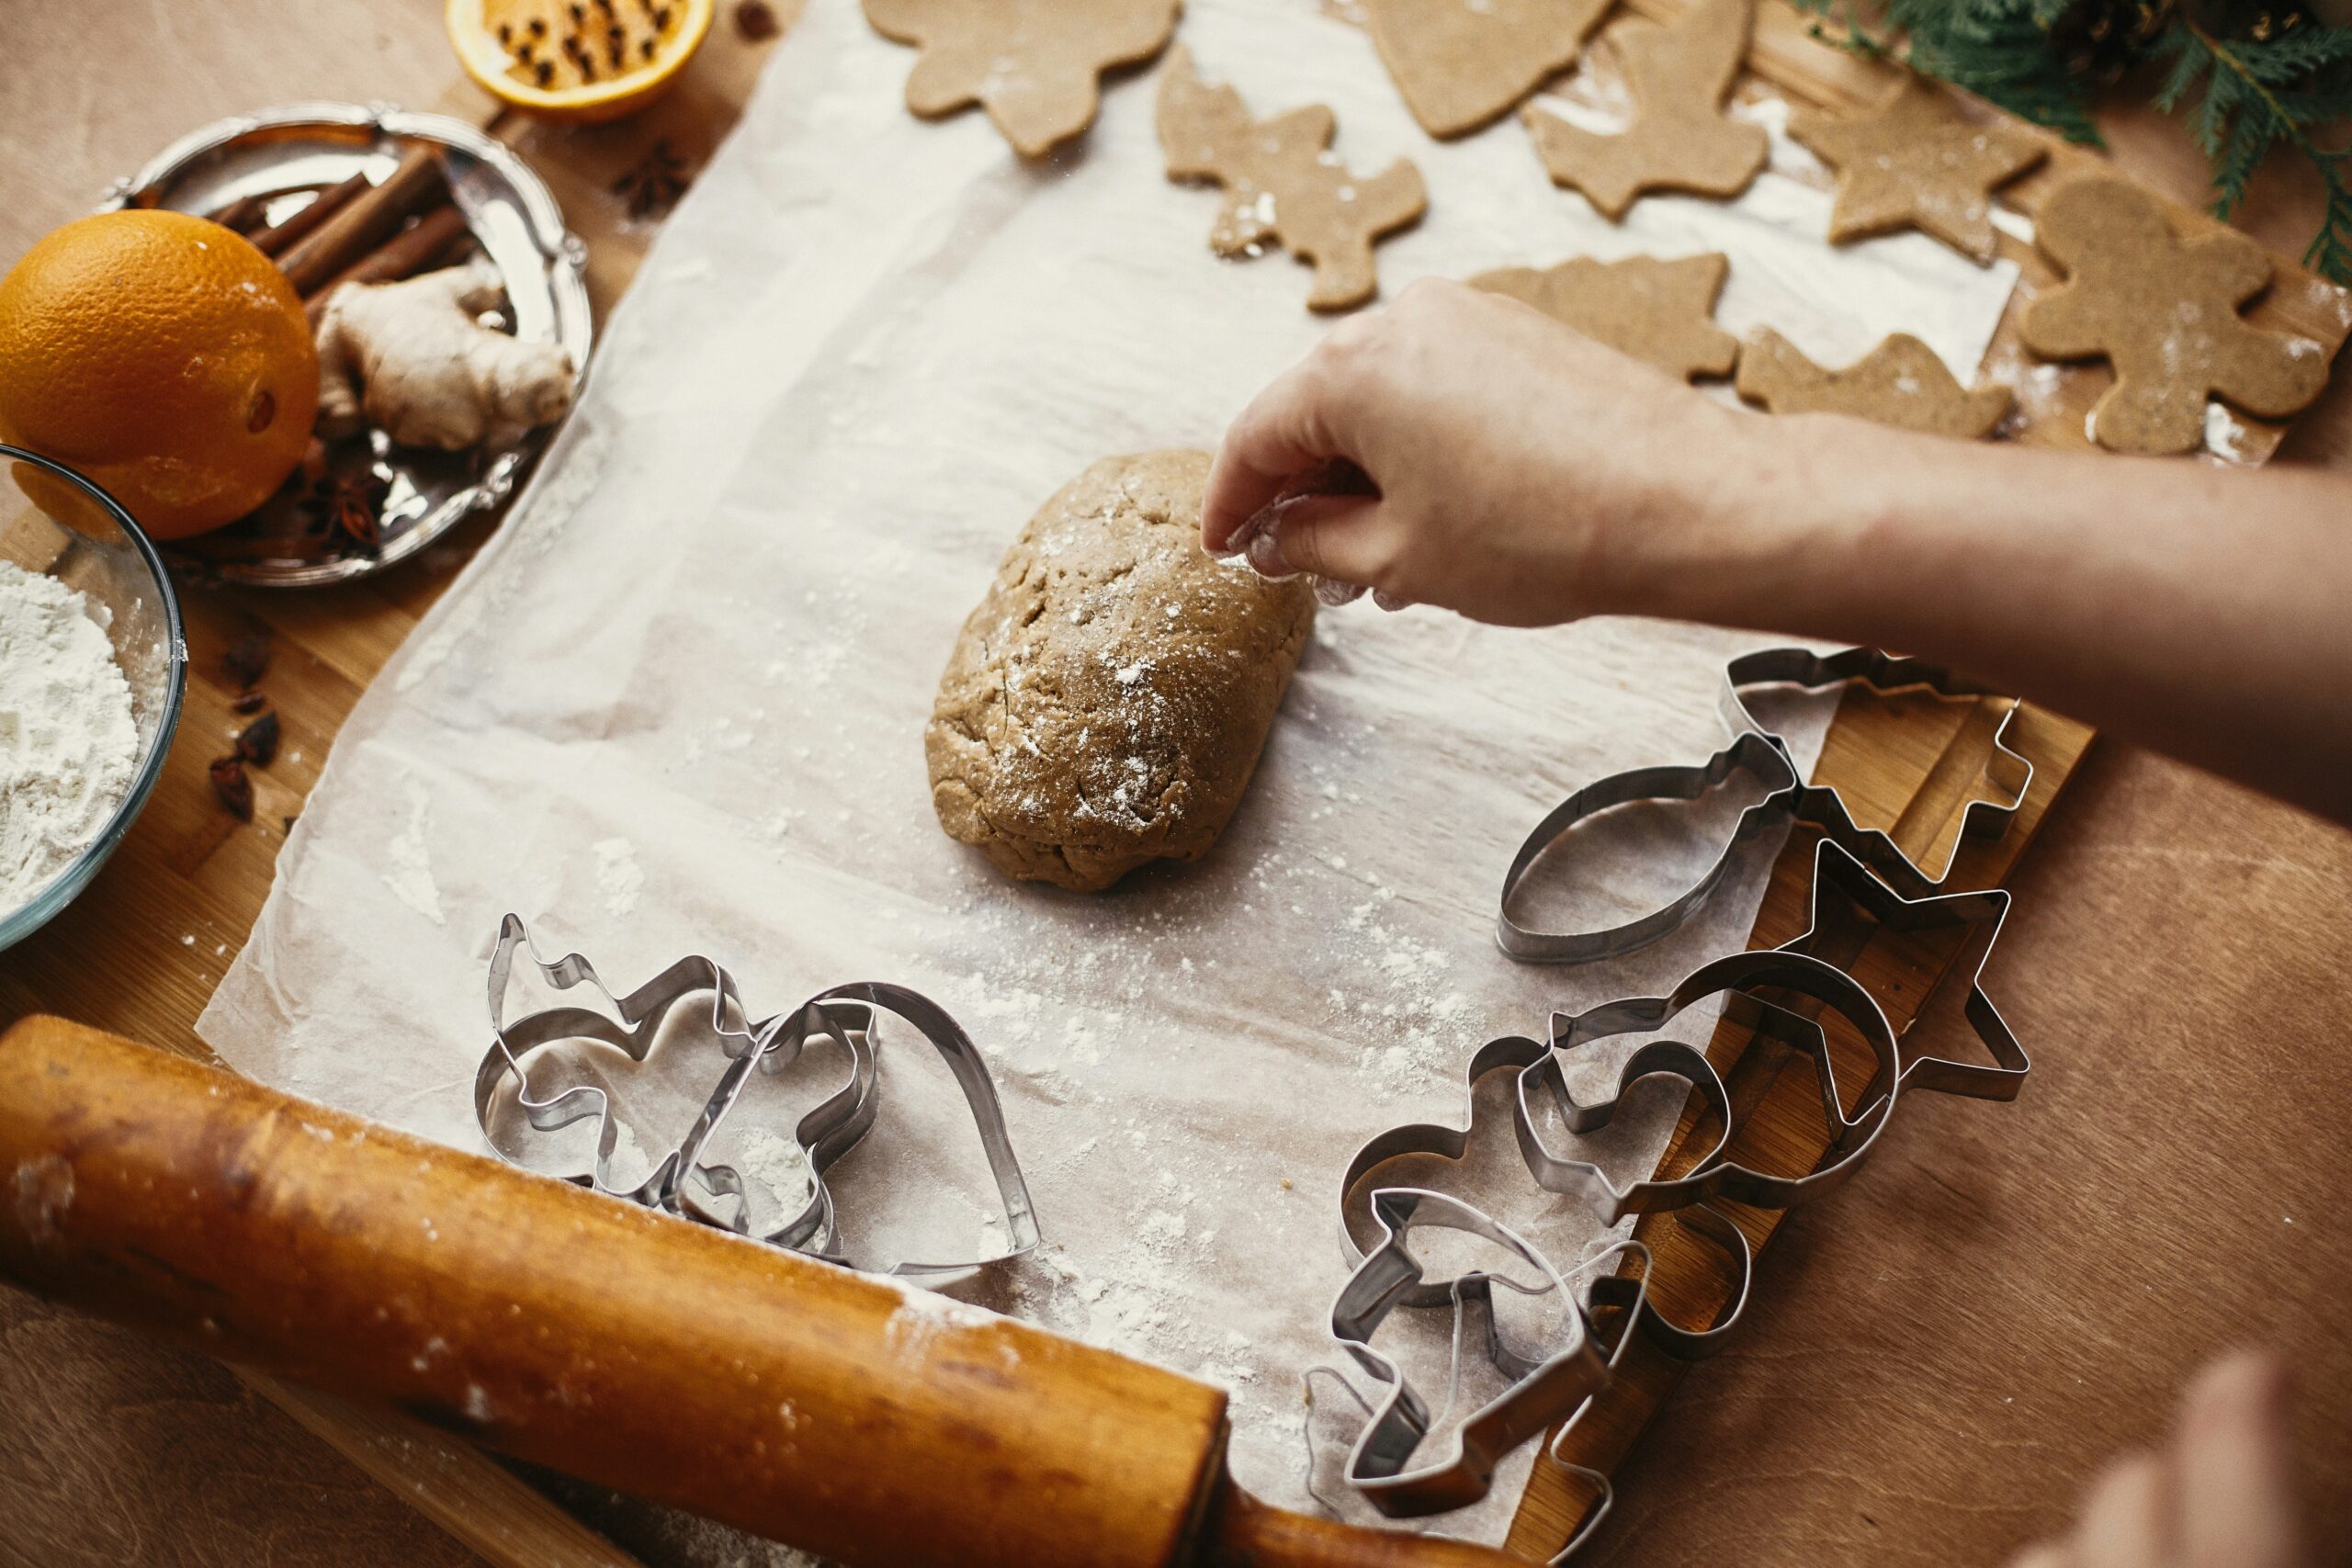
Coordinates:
column 1460, row 63
column 1033, row 64
column 1916, row 162
column 1283, row 183
column 2164, row 312
column 1679, row 75
column 1900, row 382
column 1656, row 311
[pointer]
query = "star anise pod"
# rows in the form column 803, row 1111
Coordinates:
column 654, row 185
column 354, row 503
column 235, row 790
column 246, row 658
column 258, row 743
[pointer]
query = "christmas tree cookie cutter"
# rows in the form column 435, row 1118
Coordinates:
column 1758, row 754
column 846, row 1015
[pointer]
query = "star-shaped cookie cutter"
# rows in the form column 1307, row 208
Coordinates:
column 1548, row 1386
column 1834, row 868
column 1757, row 753
column 846, row 1015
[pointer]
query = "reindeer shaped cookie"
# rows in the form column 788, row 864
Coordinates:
column 1282, row 183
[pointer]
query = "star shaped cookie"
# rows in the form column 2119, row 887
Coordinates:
column 2163, row 313
column 1900, row 382
column 1460, row 65
column 1033, row 64
column 1679, row 74
column 1916, row 162
column 1656, row 311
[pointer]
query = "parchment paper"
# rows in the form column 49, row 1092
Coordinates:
column 676, row 705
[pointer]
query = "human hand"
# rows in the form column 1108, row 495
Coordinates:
column 2220, row 1494
column 1522, row 474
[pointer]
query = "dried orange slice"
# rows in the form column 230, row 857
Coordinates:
column 576, row 59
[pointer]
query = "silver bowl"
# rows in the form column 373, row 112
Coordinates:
column 102, row 554
column 296, row 148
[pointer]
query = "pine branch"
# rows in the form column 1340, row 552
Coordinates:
column 2256, row 94
column 1998, row 50
column 2250, row 84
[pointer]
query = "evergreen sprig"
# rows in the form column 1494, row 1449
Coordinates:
column 2252, row 75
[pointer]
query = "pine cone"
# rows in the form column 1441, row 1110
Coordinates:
column 2102, row 38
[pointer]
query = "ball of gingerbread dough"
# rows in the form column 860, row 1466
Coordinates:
column 1105, row 705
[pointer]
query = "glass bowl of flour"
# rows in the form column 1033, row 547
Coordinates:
column 92, row 664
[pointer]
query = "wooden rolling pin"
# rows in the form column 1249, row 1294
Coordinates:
column 830, row 1410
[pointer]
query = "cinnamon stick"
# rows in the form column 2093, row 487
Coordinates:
column 366, row 222
column 406, row 254
column 274, row 240
column 241, row 216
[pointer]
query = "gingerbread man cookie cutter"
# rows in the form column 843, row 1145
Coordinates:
column 1552, row 1385
column 633, row 1023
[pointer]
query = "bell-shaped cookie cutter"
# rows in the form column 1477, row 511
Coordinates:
column 1758, row 754
column 846, row 1015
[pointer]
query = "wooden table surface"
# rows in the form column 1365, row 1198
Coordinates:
column 1936, row 1361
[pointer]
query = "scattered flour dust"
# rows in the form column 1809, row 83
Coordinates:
column 618, row 877
column 68, row 744
column 411, row 877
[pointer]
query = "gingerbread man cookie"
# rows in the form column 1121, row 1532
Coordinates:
column 1656, row 311
column 1033, row 64
column 1916, row 162
column 1461, row 65
column 2163, row 313
column 1900, row 382
column 1283, row 184
column 1679, row 75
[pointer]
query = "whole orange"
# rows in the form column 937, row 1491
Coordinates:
column 166, row 359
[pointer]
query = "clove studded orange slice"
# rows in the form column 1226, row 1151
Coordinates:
column 576, row 59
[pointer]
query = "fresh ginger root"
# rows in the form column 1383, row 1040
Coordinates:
column 410, row 358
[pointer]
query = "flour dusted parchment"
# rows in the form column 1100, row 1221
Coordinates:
column 863, row 352
column 68, row 744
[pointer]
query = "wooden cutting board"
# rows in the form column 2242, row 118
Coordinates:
column 141, row 953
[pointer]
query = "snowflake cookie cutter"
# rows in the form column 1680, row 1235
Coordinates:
column 1548, row 1387
column 1764, row 757
column 632, row 1024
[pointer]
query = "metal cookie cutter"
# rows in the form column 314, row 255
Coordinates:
column 1715, row 1175
column 631, row 1024
column 1834, row 867
column 1549, row 1387
column 1540, row 1078
column 1763, row 756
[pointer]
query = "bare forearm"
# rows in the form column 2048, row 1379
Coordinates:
column 2203, row 612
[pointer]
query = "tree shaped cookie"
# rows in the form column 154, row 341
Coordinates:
column 2164, row 312
column 1679, row 75
column 1900, row 382
column 1282, row 182
column 1916, row 162
column 1459, row 65
column 1032, row 64
column 1658, row 311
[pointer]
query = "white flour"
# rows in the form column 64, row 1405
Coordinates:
column 68, row 746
